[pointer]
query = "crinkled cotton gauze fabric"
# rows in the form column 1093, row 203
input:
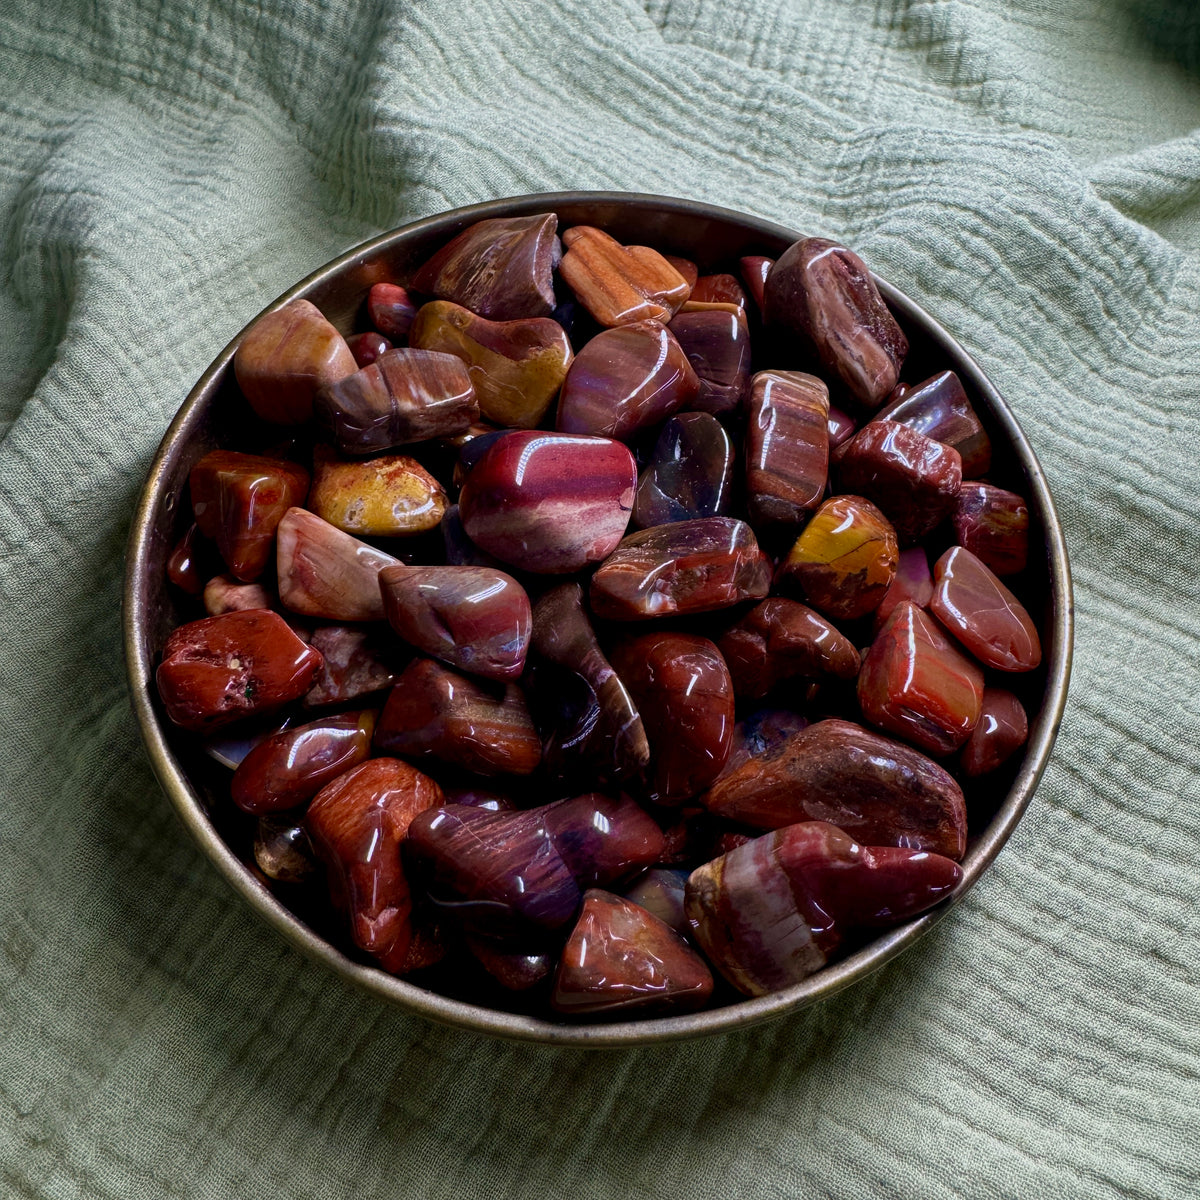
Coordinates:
column 1029, row 172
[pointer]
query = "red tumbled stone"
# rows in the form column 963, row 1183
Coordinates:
column 994, row 525
column 1002, row 730
column 939, row 409
column 787, row 446
column 718, row 289
column 755, row 270
column 183, row 568
column 392, row 311
column 367, row 347
column 356, row 664
column 717, row 344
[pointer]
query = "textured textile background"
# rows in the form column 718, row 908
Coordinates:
column 1029, row 170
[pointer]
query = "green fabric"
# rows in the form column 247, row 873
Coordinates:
column 1028, row 170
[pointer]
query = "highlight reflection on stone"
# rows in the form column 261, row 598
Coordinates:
column 1002, row 730
column 787, row 446
column 282, row 849
column 718, row 289
column 388, row 496
column 755, row 270
column 392, row 311
column 620, row 284
column 368, row 346
column 690, row 473
column 717, row 345
column 939, row 409
column 183, row 568
column 994, row 525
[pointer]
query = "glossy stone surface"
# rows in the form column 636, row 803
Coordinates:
column 549, row 503
column 620, row 284
column 782, row 639
column 686, row 567
column 913, row 479
column 994, row 525
column 324, row 572
column 391, row 310
column 368, row 346
column 230, row 746
column 683, row 691
column 621, row 959
column 474, row 618
column 716, row 343
column 718, row 289
column 291, row 767
column 939, row 409
column 787, row 446
column 983, row 614
column 357, row 663
column 604, row 730
column 624, row 380
column 845, row 560
column 771, row 912
column 285, row 357
column 914, row 683
column 841, row 427
column 760, row 733
column 405, row 396
column 1002, row 730
column 223, row 594
column 686, row 268
column 389, row 496
column 660, row 892
column 880, row 791
column 357, row 824
column 913, row 581
column 516, row 367
column 238, row 501
column 824, row 293
column 516, row 970
column 283, row 851
column 755, row 270
column 500, row 268
column 460, row 550
column 435, row 711
column 690, row 473
column 504, row 874
column 219, row 669
column 183, row 567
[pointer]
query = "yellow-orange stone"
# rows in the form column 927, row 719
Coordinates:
column 389, row 496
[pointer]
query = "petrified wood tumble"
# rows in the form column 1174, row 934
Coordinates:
column 787, row 446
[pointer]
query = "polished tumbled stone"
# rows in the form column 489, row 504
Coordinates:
column 787, row 446
column 913, row 581
column 388, row 496
column 223, row 594
column 939, row 409
column 994, row 525
column 690, row 473
column 717, row 344
column 391, row 310
column 358, row 662
column 1002, row 730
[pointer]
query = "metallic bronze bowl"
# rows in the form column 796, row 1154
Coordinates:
column 714, row 238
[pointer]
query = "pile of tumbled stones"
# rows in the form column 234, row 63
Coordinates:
column 671, row 687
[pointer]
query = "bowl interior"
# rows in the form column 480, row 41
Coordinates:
column 214, row 414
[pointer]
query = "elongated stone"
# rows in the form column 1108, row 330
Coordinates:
column 845, row 560
column 405, row 396
column 1002, row 730
column 686, row 567
column 682, row 689
column 324, row 572
column 474, row 618
column 223, row 595
column 787, row 446
column 626, row 379
column 914, row 683
column 755, row 270
column 357, row 824
column 282, row 849
column 983, row 614
column 549, row 503
column 434, row 711
column 392, row 311
column 622, row 959
column 620, row 284
column 718, row 289
column 357, row 663
column 230, row 746
column 500, row 268
column 291, row 767
column 771, row 912
column 939, row 409
column 994, row 525
column 779, row 640
column 716, row 343
column 183, row 564
column 238, row 501
column 660, row 892
column 824, row 293
column 219, row 669
column 285, row 357
column 690, row 473
column 841, row 428
column 913, row 581
column 368, row 346
column 388, row 496
column 878, row 790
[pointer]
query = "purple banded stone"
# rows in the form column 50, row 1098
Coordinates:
column 787, row 446
column 939, row 409
column 716, row 343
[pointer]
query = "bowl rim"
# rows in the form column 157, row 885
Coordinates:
column 497, row 1023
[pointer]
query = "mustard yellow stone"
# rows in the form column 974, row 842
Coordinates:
column 389, row 496
column 516, row 367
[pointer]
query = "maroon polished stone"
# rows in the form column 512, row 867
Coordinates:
column 515, row 969
column 983, row 614
column 916, row 684
column 939, row 409
column 686, row 567
column 760, row 733
column 324, row 572
column 291, row 767
column 282, row 849
column 824, row 293
column 660, row 892
column 914, row 581
column 625, row 379
column 392, row 311
column 183, row 568
column 460, row 550
column 358, row 662
column 549, row 502
column 682, row 689
column 368, row 346
column 771, row 912
column 690, row 473
column 878, row 790
column 357, row 824
column 474, row 618
column 434, row 711
column 755, row 270
column 686, row 268
column 500, row 268
column 841, row 427
column 1002, row 730
column 779, row 640
column 218, row 669
column 717, row 289
column 787, row 446
column 994, row 525
column 477, row 797
column 622, row 959
column 223, row 594
column 716, row 343
column 913, row 479
column 238, row 501
column 428, row 946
